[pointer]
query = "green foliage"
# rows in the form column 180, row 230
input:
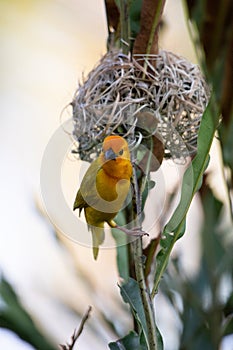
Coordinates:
column 228, row 329
column 129, row 342
column 212, row 30
column 134, row 8
column 121, row 247
column 128, row 23
column 14, row 317
column 130, row 293
column 135, row 13
column 192, row 180
column 205, row 312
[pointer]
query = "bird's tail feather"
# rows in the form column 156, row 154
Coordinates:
column 97, row 239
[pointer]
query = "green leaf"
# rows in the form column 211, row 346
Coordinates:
column 117, row 2
column 129, row 342
column 121, row 240
column 228, row 309
column 175, row 228
column 122, row 254
column 227, row 143
column 15, row 318
column 159, row 339
column 204, row 323
column 131, row 294
column 228, row 329
column 135, row 15
column 149, row 253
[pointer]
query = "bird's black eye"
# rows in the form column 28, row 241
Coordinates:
column 121, row 152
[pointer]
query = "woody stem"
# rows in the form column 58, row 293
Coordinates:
column 140, row 275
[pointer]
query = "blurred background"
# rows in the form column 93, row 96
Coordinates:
column 47, row 46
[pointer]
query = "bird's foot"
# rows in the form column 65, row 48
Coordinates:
column 135, row 231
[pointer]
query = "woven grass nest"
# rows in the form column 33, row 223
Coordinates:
column 171, row 90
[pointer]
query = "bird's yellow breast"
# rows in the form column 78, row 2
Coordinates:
column 119, row 168
column 112, row 188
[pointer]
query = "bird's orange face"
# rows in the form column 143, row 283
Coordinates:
column 115, row 146
column 115, row 157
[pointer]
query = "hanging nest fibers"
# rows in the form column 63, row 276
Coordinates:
column 122, row 89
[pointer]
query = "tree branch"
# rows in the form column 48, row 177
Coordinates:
column 77, row 332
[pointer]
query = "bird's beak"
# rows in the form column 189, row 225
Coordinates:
column 109, row 154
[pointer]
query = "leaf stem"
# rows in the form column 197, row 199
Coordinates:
column 155, row 23
column 140, row 275
column 125, row 25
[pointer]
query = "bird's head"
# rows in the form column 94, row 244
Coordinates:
column 114, row 147
column 115, row 155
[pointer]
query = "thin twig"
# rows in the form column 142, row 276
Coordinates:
column 77, row 332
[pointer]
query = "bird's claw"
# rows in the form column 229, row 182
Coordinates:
column 135, row 231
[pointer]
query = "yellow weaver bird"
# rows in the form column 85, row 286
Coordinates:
column 104, row 188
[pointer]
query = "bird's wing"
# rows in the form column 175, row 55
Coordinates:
column 87, row 194
column 79, row 202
